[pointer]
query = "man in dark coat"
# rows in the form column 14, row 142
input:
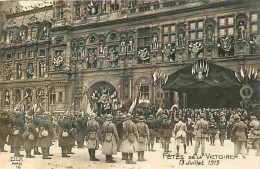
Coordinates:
column 152, row 132
column 190, row 130
column 239, row 132
column 64, row 136
column 36, row 124
column 80, row 132
column 166, row 130
column 200, row 130
column 222, row 127
column 72, row 133
column 28, row 137
column 5, row 129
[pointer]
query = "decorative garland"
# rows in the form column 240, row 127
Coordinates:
column 243, row 89
column 160, row 94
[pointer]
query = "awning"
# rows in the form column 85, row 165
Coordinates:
column 218, row 76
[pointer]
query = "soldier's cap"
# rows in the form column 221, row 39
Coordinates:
column 128, row 116
column 109, row 117
column 45, row 113
column 164, row 116
column 123, row 117
column 236, row 117
column 136, row 116
column 29, row 118
column 93, row 115
column 202, row 115
column 151, row 116
column 141, row 118
column 120, row 114
column 253, row 117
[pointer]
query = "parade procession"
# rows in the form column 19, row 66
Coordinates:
column 130, row 84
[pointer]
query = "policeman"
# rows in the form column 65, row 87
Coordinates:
column 238, row 133
column 222, row 127
column 143, row 133
column 93, row 133
column 28, row 137
column 130, row 141
column 254, row 135
column 64, row 136
column 180, row 130
column 109, row 146
column 152, row 132
column 166, row 129
column 200, row 131
column 5, row 129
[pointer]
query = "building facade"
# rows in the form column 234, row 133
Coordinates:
column 57, row 52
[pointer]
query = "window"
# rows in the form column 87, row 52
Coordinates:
column 42, row 66
column 12, row 36
column 60, row 97
column 29, row 98
column 40, row 95
column 77, row 11
column 9, row 56
column 60, row 12
column 254, row 22
column 31, row 54
column 19, row 55
column 144, row 38
column 18, row 71
column 17, row 97
column 144, row 92
column 34, row 33
column 226, row 26
column 52, row 96
column 196, row 30
column 7, row 97
column 169, row 34
column 42, row 53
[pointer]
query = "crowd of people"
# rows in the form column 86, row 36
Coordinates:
column 128, row 133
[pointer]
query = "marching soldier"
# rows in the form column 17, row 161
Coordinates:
column 180, row 130
column 28, row 137
column 152, row 132
column 93, row 141
column 200, row 131
column 143, row 133
column 254, row 135
column 118, row 124
column 122, row 137
column 238, row 133
column 5, row 129
column 131, row 136
column 166, row 129
column 71, row 137
column 222, row 127
column 80, row 132
column 109, row 147
column 36, row 124
column 64, row 136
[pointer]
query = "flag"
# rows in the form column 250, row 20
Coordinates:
column 85, row 106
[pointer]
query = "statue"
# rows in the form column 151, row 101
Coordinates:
column 45, row 32
column 101, row 48
column 22, row 35
column 241, row 31
column 144, row 55
column 130, row 47
column 34, row 33
column 209, row 36
column 123, row 46
column 155, row 42
column 169, row 52
column 195, row 48
column 58, row 61
column 181, row 37
column 113, row 58
column 8, row 72
column 92, row 60
column 29, row 70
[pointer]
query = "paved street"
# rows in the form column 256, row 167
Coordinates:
column 80, row 160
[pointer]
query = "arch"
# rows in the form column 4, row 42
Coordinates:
column 113, row 32
column 90, row 36
column 29, row 91
column 7, row 96
column 17, row 95
column 143, row 80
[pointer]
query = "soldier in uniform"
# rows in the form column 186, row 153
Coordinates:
column 36, row 124
column 143, row 133
column 93, row 133
column 5, row 129
column 80, row 132
column 238, row 133
column 200, row 131
column 180, row 130
column 222, row 127
column 130, row 139
column 122, row 137
column 190, row 130
column 212, row 131
column 118, row 123
column 166, row 130
column 28, row 137
column 109, row 147
column 254, row 135
column 17, row 132
column 71, row 137
column 152, row 132
column 64, row 136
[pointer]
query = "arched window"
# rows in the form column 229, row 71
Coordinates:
column 6, row 97
column 17, row 96
column 29, row 98
column 52, row 96
column 144, row 85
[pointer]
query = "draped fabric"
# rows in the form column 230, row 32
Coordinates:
column 218, row 77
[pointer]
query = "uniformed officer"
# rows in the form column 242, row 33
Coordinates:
column 166, row 130
column 28, row 137
column 238, row 133
column 109, row 146
column 180, row 130
column 143, row 133
column 93, row 140
column 212, row 131
column 152, row 132
column 5, row 129
column 200, row 131
column 254, row 135
column 222, row 127
column 130, row 140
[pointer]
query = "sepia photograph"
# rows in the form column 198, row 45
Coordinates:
column 130, row 84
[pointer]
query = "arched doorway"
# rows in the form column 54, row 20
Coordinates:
column 103, row 98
